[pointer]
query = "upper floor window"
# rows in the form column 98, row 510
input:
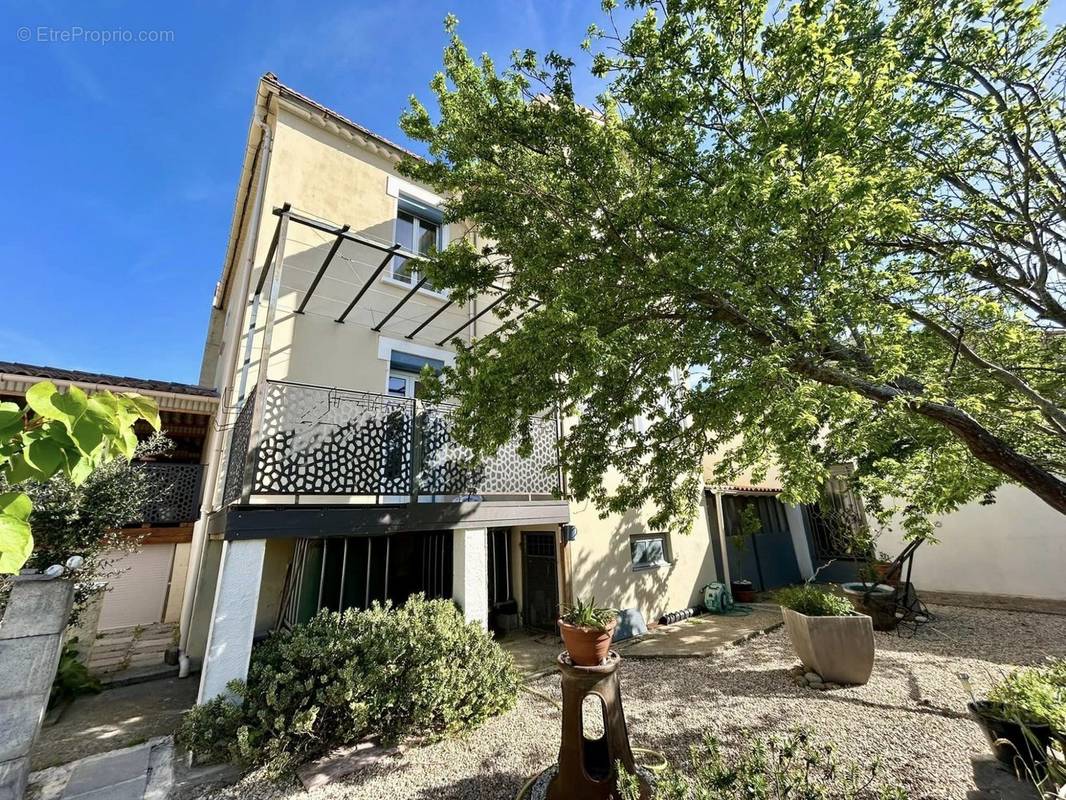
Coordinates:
column 419, row 229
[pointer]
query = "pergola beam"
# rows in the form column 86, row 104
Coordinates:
column 472, row 320
column 346, row 233
column 322, row 270
column 268, row 261
column 430, row 318
column 366, row 286
column 401, row 304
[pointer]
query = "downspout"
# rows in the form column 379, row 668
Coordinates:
column 215, row 434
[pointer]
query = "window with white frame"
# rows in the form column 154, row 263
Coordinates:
column 649, row 550
column 419, row 229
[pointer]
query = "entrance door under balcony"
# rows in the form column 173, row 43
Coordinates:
column 540, row 580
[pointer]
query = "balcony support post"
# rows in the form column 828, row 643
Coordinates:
column 470, row 573
column 229, row 639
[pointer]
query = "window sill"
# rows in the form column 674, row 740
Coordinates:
column 650, row 567
column 390, row 281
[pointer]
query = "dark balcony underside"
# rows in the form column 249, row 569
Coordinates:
column 287, row 521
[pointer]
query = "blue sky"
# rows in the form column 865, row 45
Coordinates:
column 121, row 159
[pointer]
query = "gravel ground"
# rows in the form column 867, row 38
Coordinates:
column 911, row 714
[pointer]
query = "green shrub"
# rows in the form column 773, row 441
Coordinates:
column 1034, row 695
column 775, row 768
column 417, row 670
column 813, row 601
column 72, row 677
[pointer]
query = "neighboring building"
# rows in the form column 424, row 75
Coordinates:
column 332, row 483
column 146, row 595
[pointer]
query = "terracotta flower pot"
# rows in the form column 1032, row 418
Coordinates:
column 742, row 591
column 587, row 647
column 840, row 649
column 878, row 601
column 881, row 569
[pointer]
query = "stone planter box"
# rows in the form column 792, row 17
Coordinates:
column 840, row 649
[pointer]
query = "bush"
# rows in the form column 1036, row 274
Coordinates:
column 769, row 769
column 813, row 601
column 417, row 670
column 1034, row 695
column 72, row 677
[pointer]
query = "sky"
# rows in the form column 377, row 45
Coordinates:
column 121, row 159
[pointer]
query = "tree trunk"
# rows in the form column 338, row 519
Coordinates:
column 982, row 443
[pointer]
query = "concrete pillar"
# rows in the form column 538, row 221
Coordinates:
column 31, row 639
column 798, row 531
column 229, row 640
column 470, row 573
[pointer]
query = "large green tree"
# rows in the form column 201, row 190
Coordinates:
column 842, row 222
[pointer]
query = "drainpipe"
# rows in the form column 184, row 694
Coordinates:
column 215, row 434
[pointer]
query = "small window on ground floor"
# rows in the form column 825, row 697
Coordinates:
column 649, row 550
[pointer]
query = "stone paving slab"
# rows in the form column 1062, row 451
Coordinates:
column 702, row 636
column 109, row 770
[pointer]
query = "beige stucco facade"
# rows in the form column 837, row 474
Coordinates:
column 334, row 172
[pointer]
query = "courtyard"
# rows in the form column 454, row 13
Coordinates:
column 911, row 716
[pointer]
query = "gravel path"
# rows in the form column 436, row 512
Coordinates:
column 911, row 714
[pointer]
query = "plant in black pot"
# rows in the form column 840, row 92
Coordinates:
column 741, row 588
column 1023, row 716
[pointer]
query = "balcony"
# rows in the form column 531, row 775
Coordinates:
column 298, row 439
column 180, row 486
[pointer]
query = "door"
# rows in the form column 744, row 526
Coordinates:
column 759, row 541
column 540, row 581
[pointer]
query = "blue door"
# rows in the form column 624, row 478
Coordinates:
column 759, row 542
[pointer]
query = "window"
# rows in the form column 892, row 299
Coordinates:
column 648, row 551
column 418, row 229
column 404, row 384
column 838, row 520
column 405, row 373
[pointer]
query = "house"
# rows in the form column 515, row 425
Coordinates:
column 331, row 483
column 136, row 619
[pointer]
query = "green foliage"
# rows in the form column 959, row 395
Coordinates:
column 69, row 433
column 587, row 614
column 840, row 221
column 775, row 768
column 813, row 601
column 72, row 677
column 417, row 670
column 1034, row 695
column 84, row 519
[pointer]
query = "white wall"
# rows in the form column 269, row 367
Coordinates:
column 1016, row 546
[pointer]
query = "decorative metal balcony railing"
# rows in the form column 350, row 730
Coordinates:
column 314, row 440
column 180, row 487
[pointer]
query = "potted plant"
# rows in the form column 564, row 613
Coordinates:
column 829, row 636
column 742, row 590
column 587, row 630
column 1024, row 714
column 876, row 600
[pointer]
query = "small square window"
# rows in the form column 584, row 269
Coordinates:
column 648, row 551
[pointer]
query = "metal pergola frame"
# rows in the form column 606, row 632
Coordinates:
column 272, row 268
